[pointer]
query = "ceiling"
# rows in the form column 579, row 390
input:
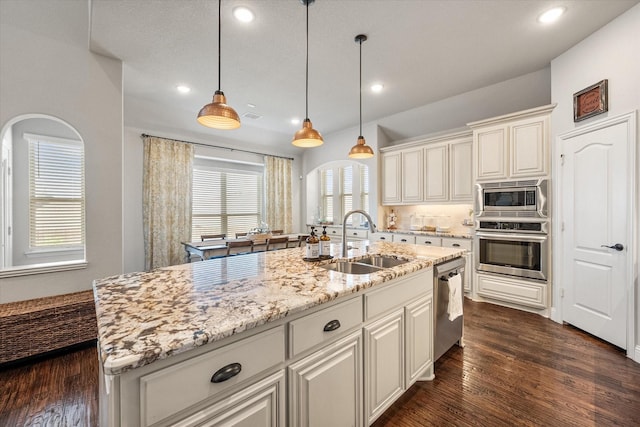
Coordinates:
column 422, row 51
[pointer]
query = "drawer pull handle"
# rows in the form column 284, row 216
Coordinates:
column 427, row 242
column 403, row 240
column 456, row 245
column 383, row 238
column 332, row 325
column 226, row 372
column 355, row 234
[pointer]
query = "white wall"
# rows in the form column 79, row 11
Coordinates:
column 612, row 53
column 46, row 67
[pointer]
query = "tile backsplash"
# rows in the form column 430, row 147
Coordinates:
column 454, row 215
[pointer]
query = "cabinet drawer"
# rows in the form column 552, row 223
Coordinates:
column 381, row 237
column 170, row 390
column 531, row 294
column 309, row 331
column 382, row 300
column 404, row 238
column 457, row 243
column 428, row 240
column 357, row 234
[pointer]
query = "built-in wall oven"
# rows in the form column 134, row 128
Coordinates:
column 513, row 247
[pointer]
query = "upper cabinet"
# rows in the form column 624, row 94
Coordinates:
column 428, row 170
column 512, row 146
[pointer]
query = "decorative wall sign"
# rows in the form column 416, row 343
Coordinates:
column 591, row 101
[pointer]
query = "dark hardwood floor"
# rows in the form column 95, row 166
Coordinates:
column 517, row 369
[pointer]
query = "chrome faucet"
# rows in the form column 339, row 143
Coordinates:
column 372, row 227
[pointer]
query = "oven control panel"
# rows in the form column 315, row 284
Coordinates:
column 511, row 226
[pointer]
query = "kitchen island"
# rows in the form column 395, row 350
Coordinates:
column 244, row 339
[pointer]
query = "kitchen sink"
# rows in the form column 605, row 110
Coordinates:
column 349, row 267
column 381, row 261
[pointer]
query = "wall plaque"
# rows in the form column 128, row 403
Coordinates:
column 590, row 101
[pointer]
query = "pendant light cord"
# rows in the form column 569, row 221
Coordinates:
column 360, row 87
column 219, row 41
column 306, row 99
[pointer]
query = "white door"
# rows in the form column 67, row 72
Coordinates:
column 597, row 184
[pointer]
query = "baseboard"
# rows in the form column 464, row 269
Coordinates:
column 636, row 356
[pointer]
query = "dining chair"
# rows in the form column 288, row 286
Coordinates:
column 302, row 239
column 238, row 235
column 276, row 232
column 204, row 237
column 239, row 245
column 274, row 243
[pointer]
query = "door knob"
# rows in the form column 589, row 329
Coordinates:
column 617, row 246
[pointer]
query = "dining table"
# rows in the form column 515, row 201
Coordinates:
column 217, row 247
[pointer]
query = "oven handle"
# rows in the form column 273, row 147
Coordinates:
column 512, row 236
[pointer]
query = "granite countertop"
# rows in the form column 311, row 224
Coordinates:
column 143, row 317
column 454, row 233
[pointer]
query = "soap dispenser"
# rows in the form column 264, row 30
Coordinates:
column 313, row 249
column 325, row 244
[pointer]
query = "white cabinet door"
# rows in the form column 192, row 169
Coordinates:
column 419, row 351
column 460, row 171
column 404, row 238
column 412, row 175
column 436, row 165
column 381, row 237
column 391, row 179
column 384, row 364
column 491, row 145
column 259, row 405
column 528, row 147
column 325, row 387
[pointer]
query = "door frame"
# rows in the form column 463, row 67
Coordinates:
column 631, row 275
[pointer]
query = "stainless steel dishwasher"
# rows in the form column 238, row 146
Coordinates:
column 447, row 332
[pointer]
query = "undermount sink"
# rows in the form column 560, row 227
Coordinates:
column 366, row 265
column 382, row 261
column 349, row 267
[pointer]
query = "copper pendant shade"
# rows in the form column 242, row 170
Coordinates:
column 361, row 150
column 218, row 114
column 307, row 136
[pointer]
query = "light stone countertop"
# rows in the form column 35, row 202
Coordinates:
column 453, row 234
column 144, row 317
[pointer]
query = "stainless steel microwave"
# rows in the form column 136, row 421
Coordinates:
column 526, row 198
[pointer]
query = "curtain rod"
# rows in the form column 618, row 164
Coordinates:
column 216, row 146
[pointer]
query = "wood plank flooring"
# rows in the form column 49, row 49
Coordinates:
column 517, row 369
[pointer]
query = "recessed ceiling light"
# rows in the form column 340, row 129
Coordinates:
column 250, row 105
column 243, row 14
column 377, row 87
column 295, row 121
column 551, row 15
column 183, row 89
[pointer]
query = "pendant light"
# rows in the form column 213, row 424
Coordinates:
column 307, row 136
column 361, row 150
column 218, row 114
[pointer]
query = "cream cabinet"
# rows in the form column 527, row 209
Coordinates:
column 527, row 293
column 325, row 388
column 513, row 146
column 412, row 172
column 398, row 341
column 391, row 181
column 428, row 170
column 335, row 233
column 403, row 238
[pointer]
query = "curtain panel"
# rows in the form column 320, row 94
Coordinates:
column 277, row 173
column 167, row 169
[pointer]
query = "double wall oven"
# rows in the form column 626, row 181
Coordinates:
column 512, row 229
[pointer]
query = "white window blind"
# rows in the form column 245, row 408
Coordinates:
column 225, row 200
column 326, row 190
column 56, row 193
column 364, row 187
column 346, row 191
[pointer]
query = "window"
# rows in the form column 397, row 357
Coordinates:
column 227, row 197
column 326, row 194
column 348, row 191
column 56, row 193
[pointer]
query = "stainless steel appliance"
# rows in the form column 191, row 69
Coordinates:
column 526, row 199
column 448, row 332
column 513, row 247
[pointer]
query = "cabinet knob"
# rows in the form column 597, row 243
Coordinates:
column 226, row 372
column 332, row 325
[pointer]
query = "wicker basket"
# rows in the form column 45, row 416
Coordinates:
column 39, row 325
